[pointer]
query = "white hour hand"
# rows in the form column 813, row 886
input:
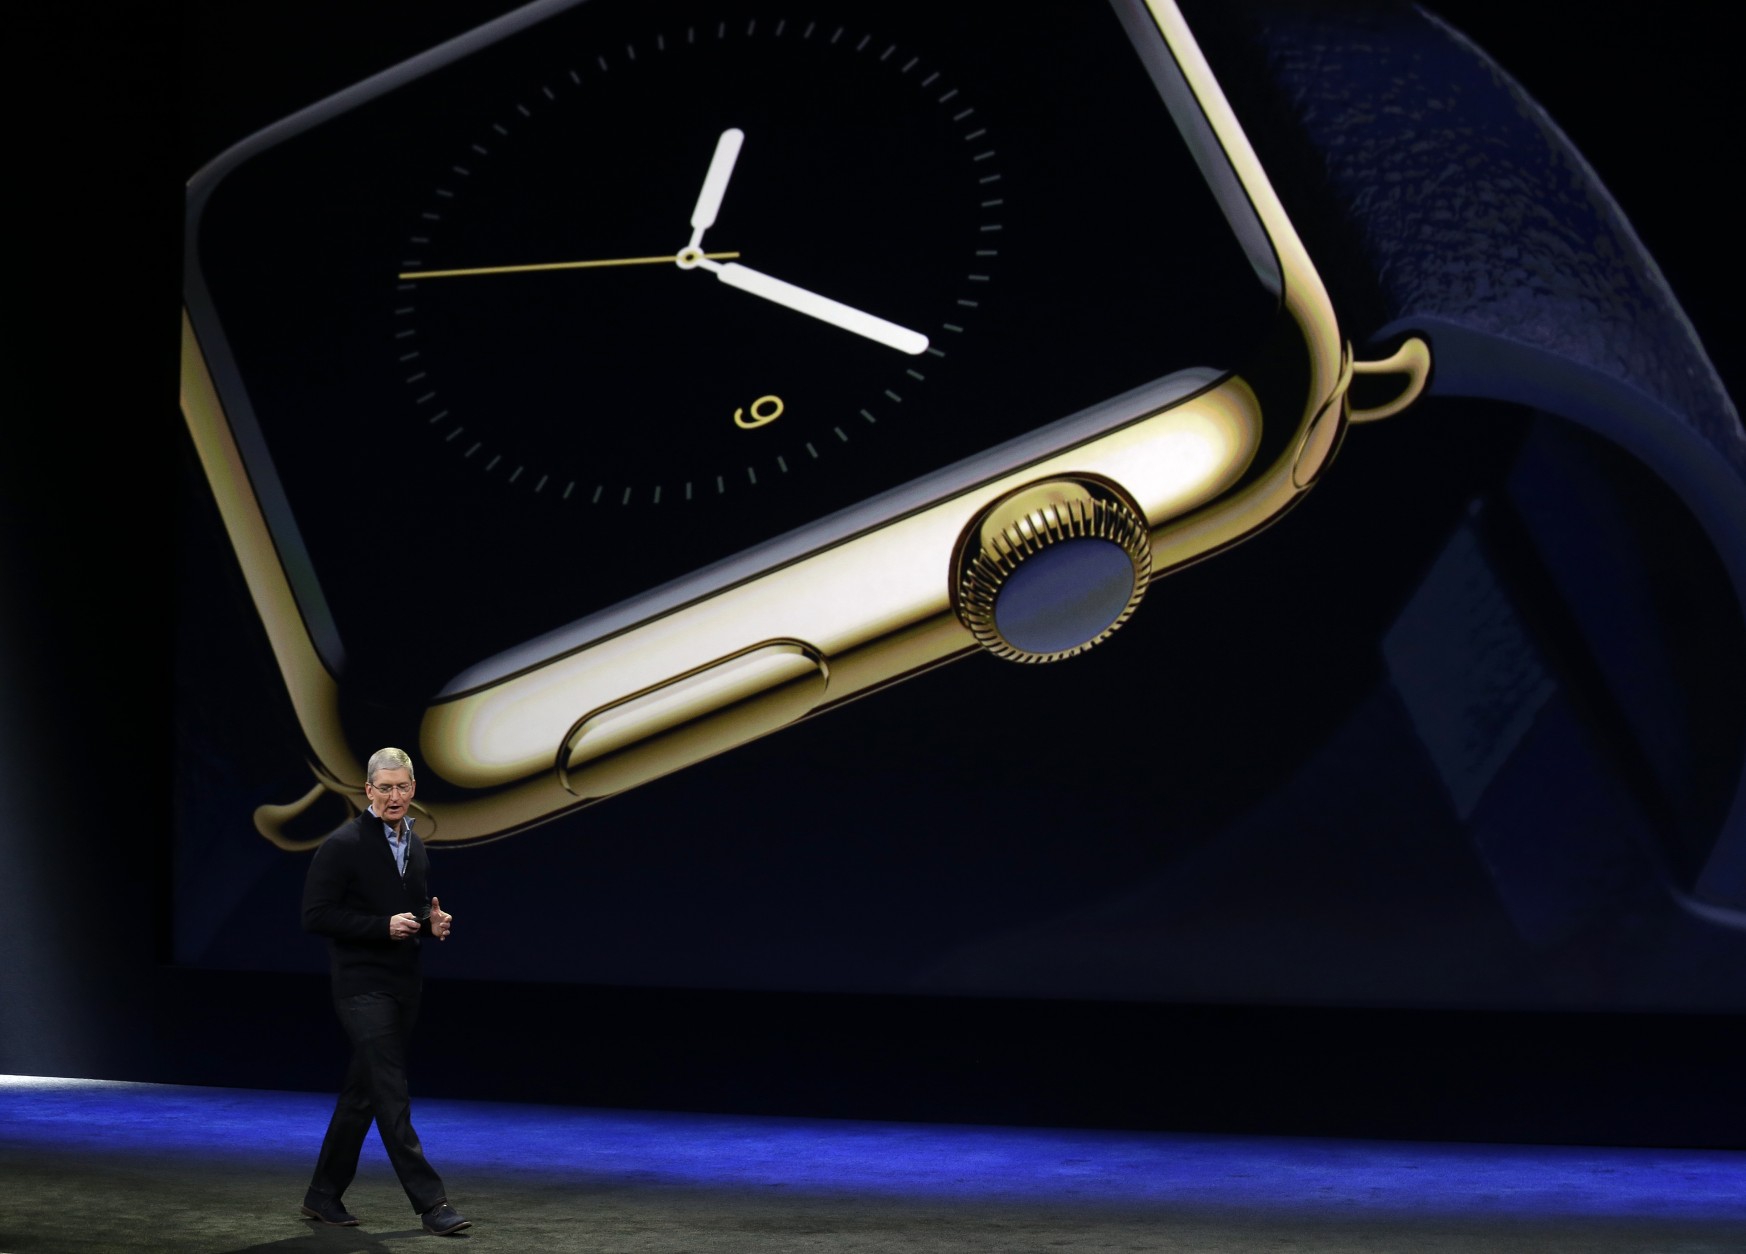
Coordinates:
column 821, row 307
column 721, row 169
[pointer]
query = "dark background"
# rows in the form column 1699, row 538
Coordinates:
column 107, row 119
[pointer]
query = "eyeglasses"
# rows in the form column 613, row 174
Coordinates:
column 393, row 790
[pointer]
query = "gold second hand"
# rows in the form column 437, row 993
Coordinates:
column 670, row 259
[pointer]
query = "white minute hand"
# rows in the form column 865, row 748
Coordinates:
column 821, row 307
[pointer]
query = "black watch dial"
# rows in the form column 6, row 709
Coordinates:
column 700, row 261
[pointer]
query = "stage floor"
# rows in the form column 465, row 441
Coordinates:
column 107, row 1166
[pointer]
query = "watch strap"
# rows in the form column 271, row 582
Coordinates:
column 1441, row 201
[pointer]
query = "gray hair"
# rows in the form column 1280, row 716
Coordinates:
column 388, row 760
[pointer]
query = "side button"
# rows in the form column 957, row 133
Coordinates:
column 696, row 716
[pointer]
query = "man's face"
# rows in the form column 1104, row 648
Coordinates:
column 391, row 793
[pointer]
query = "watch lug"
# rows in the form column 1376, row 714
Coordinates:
column 1410, row 364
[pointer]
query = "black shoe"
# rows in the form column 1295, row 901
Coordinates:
column 328, row 1210
column 443, row 1219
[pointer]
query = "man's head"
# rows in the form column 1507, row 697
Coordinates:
column 389, row 783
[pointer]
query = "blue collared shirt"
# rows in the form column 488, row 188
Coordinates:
column 398, row 841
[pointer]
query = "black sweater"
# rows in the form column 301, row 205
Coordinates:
column 353, row 888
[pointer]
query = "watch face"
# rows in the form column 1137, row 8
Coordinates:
column 575, row 312
column 841, row 227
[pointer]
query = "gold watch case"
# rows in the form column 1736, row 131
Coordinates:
column 854, row 616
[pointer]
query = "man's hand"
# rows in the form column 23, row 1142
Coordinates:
column 402, row 926
column 440, row 921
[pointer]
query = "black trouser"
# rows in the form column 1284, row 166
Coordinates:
column 379, row 1025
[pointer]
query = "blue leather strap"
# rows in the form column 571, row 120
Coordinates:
column 1440, row 200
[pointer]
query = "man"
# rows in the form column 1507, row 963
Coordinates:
column 367, row 893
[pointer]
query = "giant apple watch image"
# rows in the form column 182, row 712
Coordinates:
column 714, row 473
column 697, row 380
